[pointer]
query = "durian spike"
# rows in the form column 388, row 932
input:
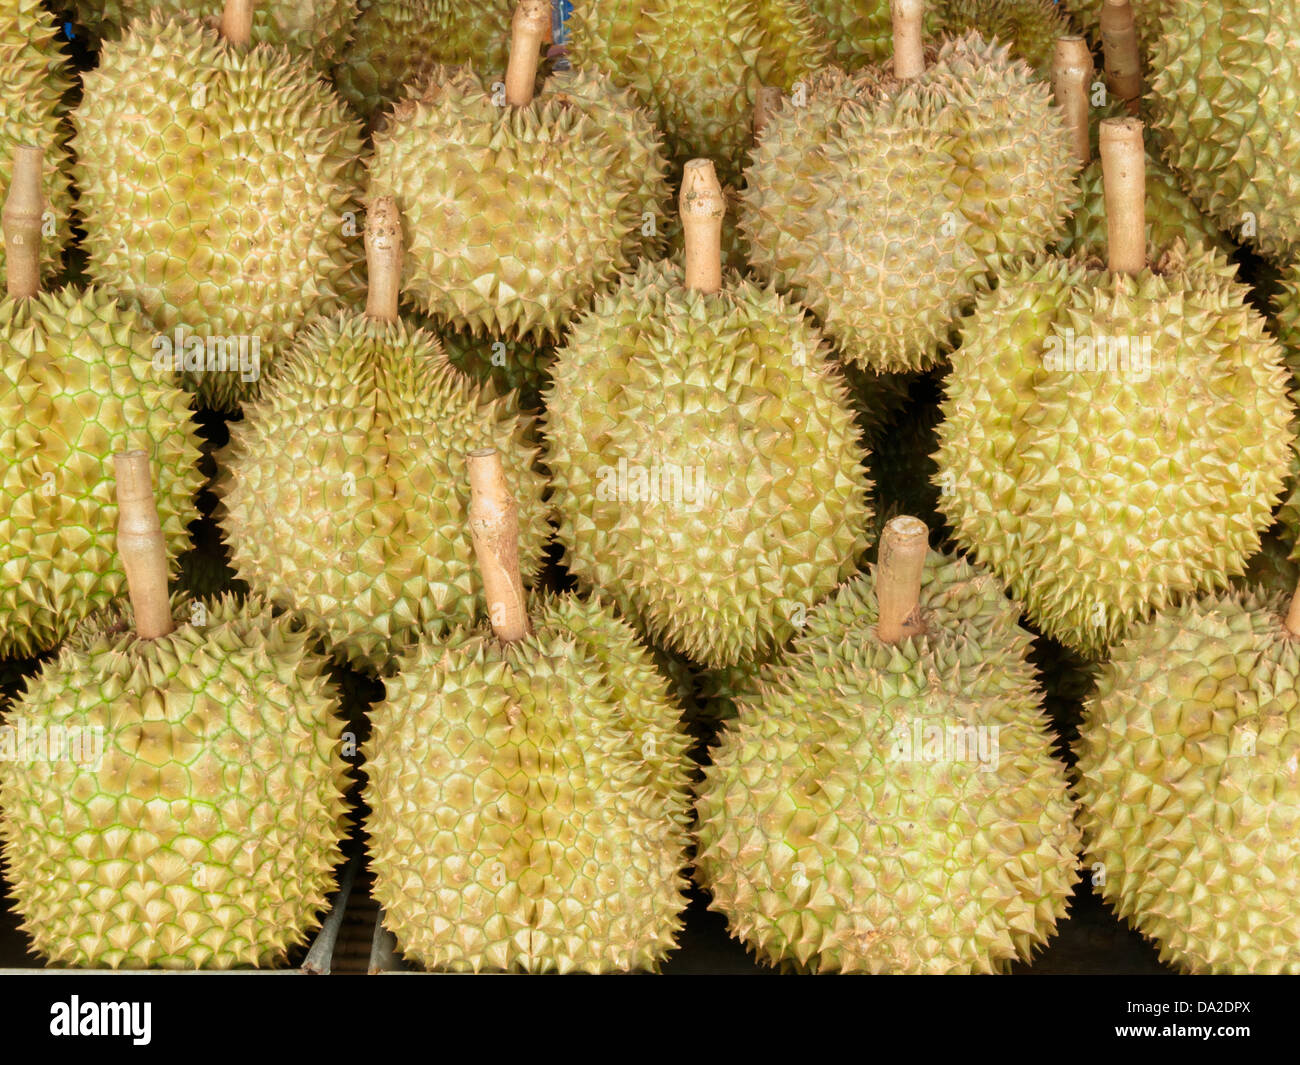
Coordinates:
column 903, row 547
column 909, row 51
column 1072, row 71
column 494, row 528
column 1292, row 622
column 237, row 22
column 766, row 104
column 702, row 209
column 141, row 546
column 528, row 28
column 1119, row 46
column 1123, row 176
column 23, row 210
column 383, row 258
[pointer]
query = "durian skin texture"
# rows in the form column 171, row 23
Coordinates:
column 1224, row 95
column 344, row 489
column 207, row 834
column 698, row 64
column 1098, row 497
column 515, row 218
column 827, row 852
column 35, row 76
column 76, row 386
column 529, row 800
column 1187, row 783
column 735, row 392
column 218, row 184
column 881, row 205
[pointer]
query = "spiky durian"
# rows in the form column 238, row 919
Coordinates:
column 518, row 210
column 314, row 29
column 706, row 468
column 1114, row 438
column 888, row 801
column 1223, row 94
column 398, row 42
column 528, row 784
column 34, row 73
column 76, row 385
column 881, row 203
column 342, row 493
column 1188, row 786
column 698, row 65
column 218, row 185
column 176, row 798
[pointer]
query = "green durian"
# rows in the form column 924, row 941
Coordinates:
column 705, row 465
column 398, row 42
column 1188, row 788
column 221, row 187
column 1223, row 95
column 191, row 813
column 517, row 217
column 842, row 828
column 528, row 788
column 36, row 75
column 882, row 204
column 699, row 65
column 342, row 495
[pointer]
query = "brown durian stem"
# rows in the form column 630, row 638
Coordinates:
column 141, row 546
column 1119, row 46
column 903, row 547
column 237, row 22
column 383, row 258
column 1123, row 175
column 766, row 104
column 1292, row 621
column 702, row 209
column 909, row 51
column 494, row 528
column 23, row 211
column 1072, row 70
column 527, row 31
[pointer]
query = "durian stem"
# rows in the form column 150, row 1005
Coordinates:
column 141, row 546
column 237, row 22
column 1292, row 621
column 766, row 104
column 1123, row 174
column 1119, row 46
column 702, row 209
column 1072, row 70
column 383, row 258
column 23, row 211
column 903, row 547
column 909, row 51
column 528, row 28
column 494, row 528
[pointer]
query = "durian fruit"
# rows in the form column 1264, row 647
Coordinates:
column 1170, row 212
column 35, row 75
column 528, row 783
column 75, row 386
column 218, row 183
column 314, row 29
column 699, row 64
column 519, row 211
column 342, row 492
column 887, row 801
column 706, row 469
column 1188, row 787
column 1223, row 93
column 181, row 806
column 397, row 42
column 1114, row 438
column 883, row 201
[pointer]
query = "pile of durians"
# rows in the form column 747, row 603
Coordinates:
column 702, row 419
